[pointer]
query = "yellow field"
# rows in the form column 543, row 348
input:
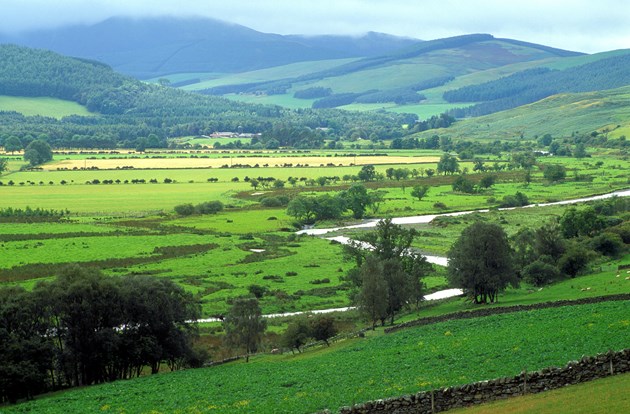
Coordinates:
column 167, row 163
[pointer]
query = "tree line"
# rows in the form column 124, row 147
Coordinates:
column 85, row 328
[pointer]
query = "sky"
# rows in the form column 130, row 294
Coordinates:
column 580, row 25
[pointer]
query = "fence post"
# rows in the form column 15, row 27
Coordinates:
column 432, row 403
column 525, row 381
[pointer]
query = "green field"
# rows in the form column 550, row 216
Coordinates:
column 43, row 106
column 602, row 396
column 376, row 367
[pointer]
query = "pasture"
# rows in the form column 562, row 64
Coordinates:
column 370, row 368
column 43, row 106
column 602, row 396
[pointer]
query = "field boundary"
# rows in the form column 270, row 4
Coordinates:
column 505, row 309
column 444, row 399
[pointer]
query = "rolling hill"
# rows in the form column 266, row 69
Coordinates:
column 559, row 115
column 154, row 47
column 123, row 109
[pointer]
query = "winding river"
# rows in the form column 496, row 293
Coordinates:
column 424, row 219
column 428, row 218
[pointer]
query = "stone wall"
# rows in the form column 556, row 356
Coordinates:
column 439, row 400
column 487, row 311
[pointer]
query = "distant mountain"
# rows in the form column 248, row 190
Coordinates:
column 153, row 47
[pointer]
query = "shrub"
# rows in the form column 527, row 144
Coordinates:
column 440, row 205
column 209, row 207
column 573, row 261
column 257, row 290
column 608, row 244
column 185, row 209
column 319, row 281
column 517, row 200
column 539, row 273
column 463, row 185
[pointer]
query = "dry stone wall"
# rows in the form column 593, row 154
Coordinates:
column 443, row 399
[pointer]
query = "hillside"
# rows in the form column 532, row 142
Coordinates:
column 534, row 84
column 399, row 77
column 153, row 47
column 559, row 115
column 128, row 109
column 369, row 368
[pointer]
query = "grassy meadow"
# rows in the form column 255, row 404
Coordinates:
column 602, row 396
column 43, row 106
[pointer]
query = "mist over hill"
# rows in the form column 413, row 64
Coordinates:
column 152, row 47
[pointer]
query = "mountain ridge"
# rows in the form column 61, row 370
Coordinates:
column 156, row 46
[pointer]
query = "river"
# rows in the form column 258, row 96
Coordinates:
column 424, row 219
column 428, row 218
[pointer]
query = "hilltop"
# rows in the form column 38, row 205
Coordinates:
column 153, row 47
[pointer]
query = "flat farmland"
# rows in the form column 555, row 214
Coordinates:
column 168, row 163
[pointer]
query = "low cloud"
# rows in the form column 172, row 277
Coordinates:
column 580, row 25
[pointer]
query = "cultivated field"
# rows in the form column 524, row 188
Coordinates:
column 168, row 163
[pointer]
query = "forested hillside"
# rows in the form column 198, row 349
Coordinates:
column 126, row 109
column 535, row 84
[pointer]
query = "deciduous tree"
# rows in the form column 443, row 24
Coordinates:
column 480, row 262
column 244, row 325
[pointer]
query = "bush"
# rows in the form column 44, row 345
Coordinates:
column 554, row 172
column 517, row 200
column 540, row 273
column 209, row 207
column 573, row 261
column 320, row 281
column 608, row 244
column 185, row 209
column 463, row 185
column 440, row 205
column 257, row 290
column 279, row 201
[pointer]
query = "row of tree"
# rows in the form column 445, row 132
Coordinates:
column 84, row 328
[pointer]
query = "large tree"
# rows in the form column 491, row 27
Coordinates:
column 372, row 298
column 38, row 152
column 480, row 262
column 391, row 268
column 244, row 325
column 447, row 164
column 357, row 199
